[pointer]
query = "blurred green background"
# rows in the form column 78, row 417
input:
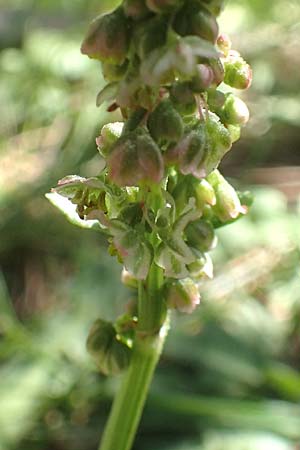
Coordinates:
column 229, row 377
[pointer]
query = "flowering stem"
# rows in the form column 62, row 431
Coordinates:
column 129, row 401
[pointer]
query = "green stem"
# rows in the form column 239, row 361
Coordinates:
column 129, row 401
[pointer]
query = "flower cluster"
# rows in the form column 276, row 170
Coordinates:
column 160, row 196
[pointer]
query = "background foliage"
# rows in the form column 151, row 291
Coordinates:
column 229, row 378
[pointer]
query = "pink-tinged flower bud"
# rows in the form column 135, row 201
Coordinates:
column 182, row 295
column 161, row 6
column 224, row 44
column 110, row 354
column 193, row 19
column 136, row 9
column 200, row 235
column 238, row 74
column 110, row 133
column 203, row 79
column 217, row 67
column 165, row 123
column 135, row 158
column 234, row 111
column 108, row 38
column 228, row 205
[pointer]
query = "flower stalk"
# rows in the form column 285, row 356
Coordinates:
column 160, row 196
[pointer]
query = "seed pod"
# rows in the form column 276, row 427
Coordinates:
column 238, row 74
column 234, row 111
column 114, row 72
column 136, row 9
column 228, row 205
column 182, row 97
column 200, row 235
column 182, row 295
column 165, row 123
column 161, row 6
column 111, row 355
column 193, row 19
column 224, row 44
column 110, row 133
column 135, row 158
column 108, row 38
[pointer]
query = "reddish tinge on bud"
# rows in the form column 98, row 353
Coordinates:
column 224, row 44
column 108, row 38
column 135, row 158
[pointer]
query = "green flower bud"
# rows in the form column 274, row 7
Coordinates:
column 165, row 123
column 203, row 79
column 224, row 44
column 202, row 268
column 108, row 38
column 228, row 205
column 135, row 158
column 128, row 279
column 110, row 133
column 150, row 36
column 114, row 72
column 215, row 100
column 161, row 6
column 193, row 19
column 234, row 111
column 136, row 9
column 182, row 295
column 203, row 193
column 201, row 236
column 111, row 355
column 238, row 74
column 218, row 143
column 183, row 98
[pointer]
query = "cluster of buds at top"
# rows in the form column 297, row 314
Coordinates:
column 160, row 196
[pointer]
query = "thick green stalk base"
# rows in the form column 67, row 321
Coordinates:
column 128, row 405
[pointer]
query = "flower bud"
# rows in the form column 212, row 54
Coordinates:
column 161, row 6
column 193, row 19
column 110, row 133
column 136, row 9
column 224, row 44
column 165, row 123
column 182, row 295
column 235, row 132
column 203, row 194
column 234, row 111
column 200, row 235
column 183, row 98
column 150, row 36
column 135, row 158
column 218, row 71
column 108, row 38
column 202, row 267
column 238, row 74
column 111, row 355
column 228, row 205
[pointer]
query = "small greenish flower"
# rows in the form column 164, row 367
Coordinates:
column 238, row 73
